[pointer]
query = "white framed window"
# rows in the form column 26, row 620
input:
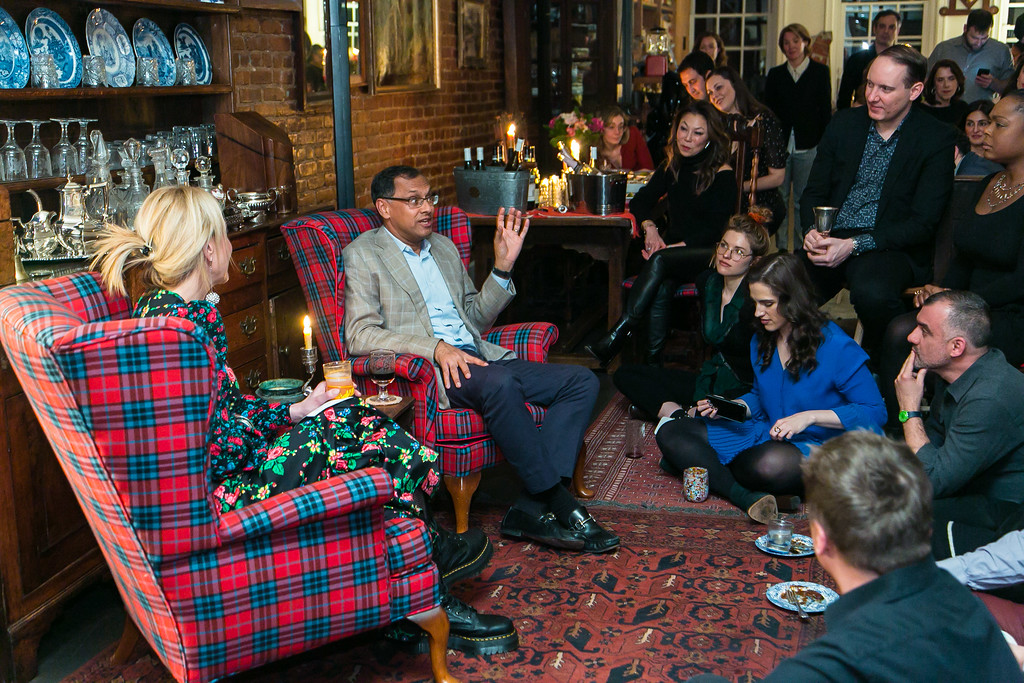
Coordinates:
column 1006, row 18
column 857, row 16
column 743, row 26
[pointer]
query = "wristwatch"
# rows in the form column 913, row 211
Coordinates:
column 908, row 414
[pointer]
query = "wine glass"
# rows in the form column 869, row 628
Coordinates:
column 14, row 156
column 64, row 155
column 382, row 372
column 36, row 154
column 83, row 145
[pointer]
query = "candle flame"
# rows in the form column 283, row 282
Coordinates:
column 512, row 130
column 306, row 327
column 574, row 148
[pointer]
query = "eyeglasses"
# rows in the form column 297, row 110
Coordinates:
column 732, row 252
column 416, row 202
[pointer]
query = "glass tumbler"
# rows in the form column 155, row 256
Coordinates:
column 44, row 71
column 185, row 71
column 94, row 71
column 147, row 73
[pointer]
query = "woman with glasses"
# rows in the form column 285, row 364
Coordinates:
column 701, row 191
column 727, row 317
column 811, row 383
column 622, row 146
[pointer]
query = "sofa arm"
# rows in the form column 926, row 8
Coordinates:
column 333, row 497
column 414, row 376
column 530, row 341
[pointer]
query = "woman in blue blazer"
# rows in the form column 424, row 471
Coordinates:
column 811, row 383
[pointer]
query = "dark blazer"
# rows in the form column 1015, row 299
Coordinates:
column 917, row 185
column 853, row 75
column 804, row 105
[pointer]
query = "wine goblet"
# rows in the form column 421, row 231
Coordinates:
column 64, row 156
column 36, row 154
column 14, row 156
column 382, row 372
column 83, row 145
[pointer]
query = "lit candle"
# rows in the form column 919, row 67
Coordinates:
column 574, row 149
column 511, row 136
column 307, row 333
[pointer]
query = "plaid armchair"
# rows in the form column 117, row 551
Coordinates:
column 459, row 435
column 125, row 404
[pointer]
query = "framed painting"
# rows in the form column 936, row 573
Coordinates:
column 403, row 46
column 472, row 34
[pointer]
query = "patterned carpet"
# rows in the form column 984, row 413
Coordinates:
column 684, row 595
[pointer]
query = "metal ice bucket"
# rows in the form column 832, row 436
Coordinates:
column 597, row 194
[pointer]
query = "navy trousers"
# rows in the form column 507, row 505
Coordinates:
column 499, row 391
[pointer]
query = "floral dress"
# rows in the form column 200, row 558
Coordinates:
column 256, row 451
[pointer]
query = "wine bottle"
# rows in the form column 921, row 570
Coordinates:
column 574, row 165
column 479, row 158
column 467, row 153
column 513, row 163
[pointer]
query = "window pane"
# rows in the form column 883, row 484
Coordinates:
column 913, row 22
column 753, row 31
column 858, row 24
column 758, row 6
column 703, row 24
column 706, row 7
column 729, row 28
column 731, row 6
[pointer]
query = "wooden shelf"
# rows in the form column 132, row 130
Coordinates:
column 36, row 94
column 185, row 5
column 39, row 183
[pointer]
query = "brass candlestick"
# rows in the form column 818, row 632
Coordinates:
column 310, row 358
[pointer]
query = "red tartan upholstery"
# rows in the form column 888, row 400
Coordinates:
column 125, row 403
column 458, row 435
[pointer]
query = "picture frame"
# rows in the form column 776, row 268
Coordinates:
column 404, row 46
column 472, row 34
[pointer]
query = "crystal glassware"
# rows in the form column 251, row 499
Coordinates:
column 44, row 71
column 185, row 71
column 94, row 71
column 82, row 144
column 37, row 157
column 382, row 372
column 64, row 156
column 147, row 72
column 13, row 156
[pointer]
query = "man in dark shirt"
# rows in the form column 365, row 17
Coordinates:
column 885, row 28
column 886, row 167
column 899, row 617
column 972, row 445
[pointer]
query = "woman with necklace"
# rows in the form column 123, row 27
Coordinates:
column 727, row 317
column 701, row 190
column 988, row 249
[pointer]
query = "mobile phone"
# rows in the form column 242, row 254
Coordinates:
column 729, row 410
column 983, row 72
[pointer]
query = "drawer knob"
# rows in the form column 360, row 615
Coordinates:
column 254, row 378
column 249, row 325
column 283, row 254
column 248, row 266
column 285, row 351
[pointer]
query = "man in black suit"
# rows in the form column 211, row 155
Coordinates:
column 887, row 167
column 885, row 28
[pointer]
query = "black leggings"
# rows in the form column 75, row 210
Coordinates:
column 655, row 286
column 771, row 467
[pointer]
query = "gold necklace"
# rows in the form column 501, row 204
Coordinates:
column 1001, row 192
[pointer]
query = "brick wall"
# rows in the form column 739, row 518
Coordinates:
column 424, row 129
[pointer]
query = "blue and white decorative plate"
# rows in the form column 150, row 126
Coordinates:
column 188, row 45
column 150, row 41
column 14, row 60
column 46, row 32
column 105, row 36
column 813, row 597
column 802, row 546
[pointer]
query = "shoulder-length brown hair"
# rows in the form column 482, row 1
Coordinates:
column 786, row 276
column 801, row 32
column 929, row 83
column 745, row 100
column 718, row 143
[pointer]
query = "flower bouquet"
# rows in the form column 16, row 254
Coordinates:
column 575, row 125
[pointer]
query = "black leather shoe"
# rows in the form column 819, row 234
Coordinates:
column 469, row 631
column 606, row 348
column 460, row 556
column 583, row 533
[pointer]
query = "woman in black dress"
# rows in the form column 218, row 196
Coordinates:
column 701, row 191
column 727, row 323
column 942, row 92
column 729, row 94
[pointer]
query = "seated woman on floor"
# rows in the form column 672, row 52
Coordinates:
column 701, row 191
column 258, row 449
column 811, row 383
column 622, row 147
column 727, row 318
column 974, row 125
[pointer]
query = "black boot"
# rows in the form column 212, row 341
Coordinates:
column 611, row 344
column 469, row 631
column 460, row 556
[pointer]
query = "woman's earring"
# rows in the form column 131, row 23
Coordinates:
column 707, row 144
column 213, row 297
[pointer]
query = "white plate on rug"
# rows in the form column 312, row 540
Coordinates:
column 813, row 596
column 802, row 546
column 188, row 45
column 47, row 33
column 105, row 36
column 150, row 41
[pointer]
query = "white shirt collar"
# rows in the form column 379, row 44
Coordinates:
column 800, row 69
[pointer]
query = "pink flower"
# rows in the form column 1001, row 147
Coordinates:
column 331, row 415
column 367, row 420
column 432, row 478
column 211, row 316
column 234, row 440
column 232, row 497
column 219, row 491
column 274, row 452
column 570, row 118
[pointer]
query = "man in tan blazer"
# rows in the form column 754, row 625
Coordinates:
column 407, row 290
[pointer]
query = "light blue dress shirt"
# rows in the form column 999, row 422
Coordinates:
column 444, row 317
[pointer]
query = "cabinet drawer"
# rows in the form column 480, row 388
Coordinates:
column 246, row 327
column 251, row 374
column 249, row 268
column 281, row 274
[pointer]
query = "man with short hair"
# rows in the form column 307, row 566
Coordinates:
column 693, row 71
column 885, row 28
column 886, row 167
column 987, row 64
column 972, row 445
column 899, row 617
column 407, row 290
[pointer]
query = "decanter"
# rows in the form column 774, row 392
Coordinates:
column 137, row 190
column 97, row 179
column 159, row 156
column 179, row 160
